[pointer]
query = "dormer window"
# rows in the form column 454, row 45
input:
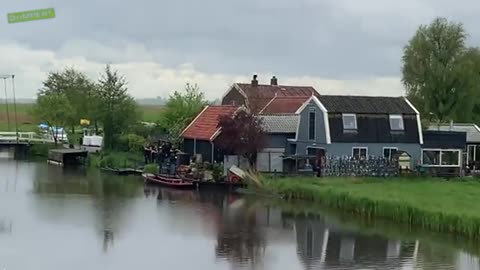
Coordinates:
column 349, row 121
column 396, row 122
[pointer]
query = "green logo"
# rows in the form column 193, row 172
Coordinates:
column 31, row 15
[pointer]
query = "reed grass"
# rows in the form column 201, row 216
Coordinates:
column 433, row 204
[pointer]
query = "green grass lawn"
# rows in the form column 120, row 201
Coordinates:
column 434, row 204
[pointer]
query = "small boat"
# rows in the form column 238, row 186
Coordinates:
column 125, row 171
column 168, row 181
column 202, row 184
column 217, row 185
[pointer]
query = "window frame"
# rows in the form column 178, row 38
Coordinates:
column 360, row 148
column 314, row 125
column 354, row 118
column 459, row 151
column 397, row 117
column 390, row 152
column 473, row 151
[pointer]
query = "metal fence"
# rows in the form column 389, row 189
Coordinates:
column 350, row 166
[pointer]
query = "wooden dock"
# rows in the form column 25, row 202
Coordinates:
column 67, row 156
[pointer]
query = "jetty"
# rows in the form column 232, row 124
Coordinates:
column 67, row 156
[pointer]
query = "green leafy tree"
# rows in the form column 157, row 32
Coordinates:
column 180, row 110
column 54, row 109
column 117, row 109
column 439, row 71
column 78, row 89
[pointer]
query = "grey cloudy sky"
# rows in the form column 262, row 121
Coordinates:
column 337, row 46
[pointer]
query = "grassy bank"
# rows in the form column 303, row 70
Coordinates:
column 115, row 160
column 433, row 204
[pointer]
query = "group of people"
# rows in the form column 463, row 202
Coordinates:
column 157, row 153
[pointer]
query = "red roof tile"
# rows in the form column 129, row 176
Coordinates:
column 269, row 91
column 204, row 126
column 284, row 105
column 259, row 96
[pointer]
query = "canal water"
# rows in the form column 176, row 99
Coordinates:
column 54, row 218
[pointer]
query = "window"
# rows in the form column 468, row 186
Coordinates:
column 473, row 153
column 349, row 121
column 293, row 149
column 389, row 152
column 360, row 152
column 396, row 122
column 450, row 158
column 470, row 154
column 311, row 151
column 311, row 125
column 441, row 158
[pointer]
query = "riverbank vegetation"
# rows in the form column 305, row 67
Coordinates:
column 69, row 96
column 115, row 159
column 433, row 204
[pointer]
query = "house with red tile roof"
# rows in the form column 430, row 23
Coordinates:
column 275, row 103
column 200, row 134
column 256, row 97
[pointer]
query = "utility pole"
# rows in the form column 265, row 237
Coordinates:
column 6, row 101
column 15, row 105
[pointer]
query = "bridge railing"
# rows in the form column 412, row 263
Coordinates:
column 25, row 137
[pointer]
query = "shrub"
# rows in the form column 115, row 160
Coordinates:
column 150, row 168
column 40, row 150
column 217, row 171
column 132, row 143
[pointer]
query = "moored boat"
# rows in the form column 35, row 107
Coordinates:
column 124, row 171
column 218, row 185
column 168, row 181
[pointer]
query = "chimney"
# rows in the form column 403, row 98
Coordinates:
column 274, row 81
column 254, row 81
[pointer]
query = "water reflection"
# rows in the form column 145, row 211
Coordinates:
column 320, row 243
column 245, row 229
column 109, row 222
column 109, row 195
column 5, row 226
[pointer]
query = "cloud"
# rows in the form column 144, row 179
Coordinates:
column 338, row 46
column 148, row 78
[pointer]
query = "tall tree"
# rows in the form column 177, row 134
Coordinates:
column 54, row 109
column 77, row 88
column 242, row 135
column 117, row 109
column 438, row 71
column 180, row 110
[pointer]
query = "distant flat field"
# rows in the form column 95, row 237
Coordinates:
column 25, row 121
column 150, row 113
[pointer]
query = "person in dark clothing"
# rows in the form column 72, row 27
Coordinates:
column 146, row 154
column 152, row 154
